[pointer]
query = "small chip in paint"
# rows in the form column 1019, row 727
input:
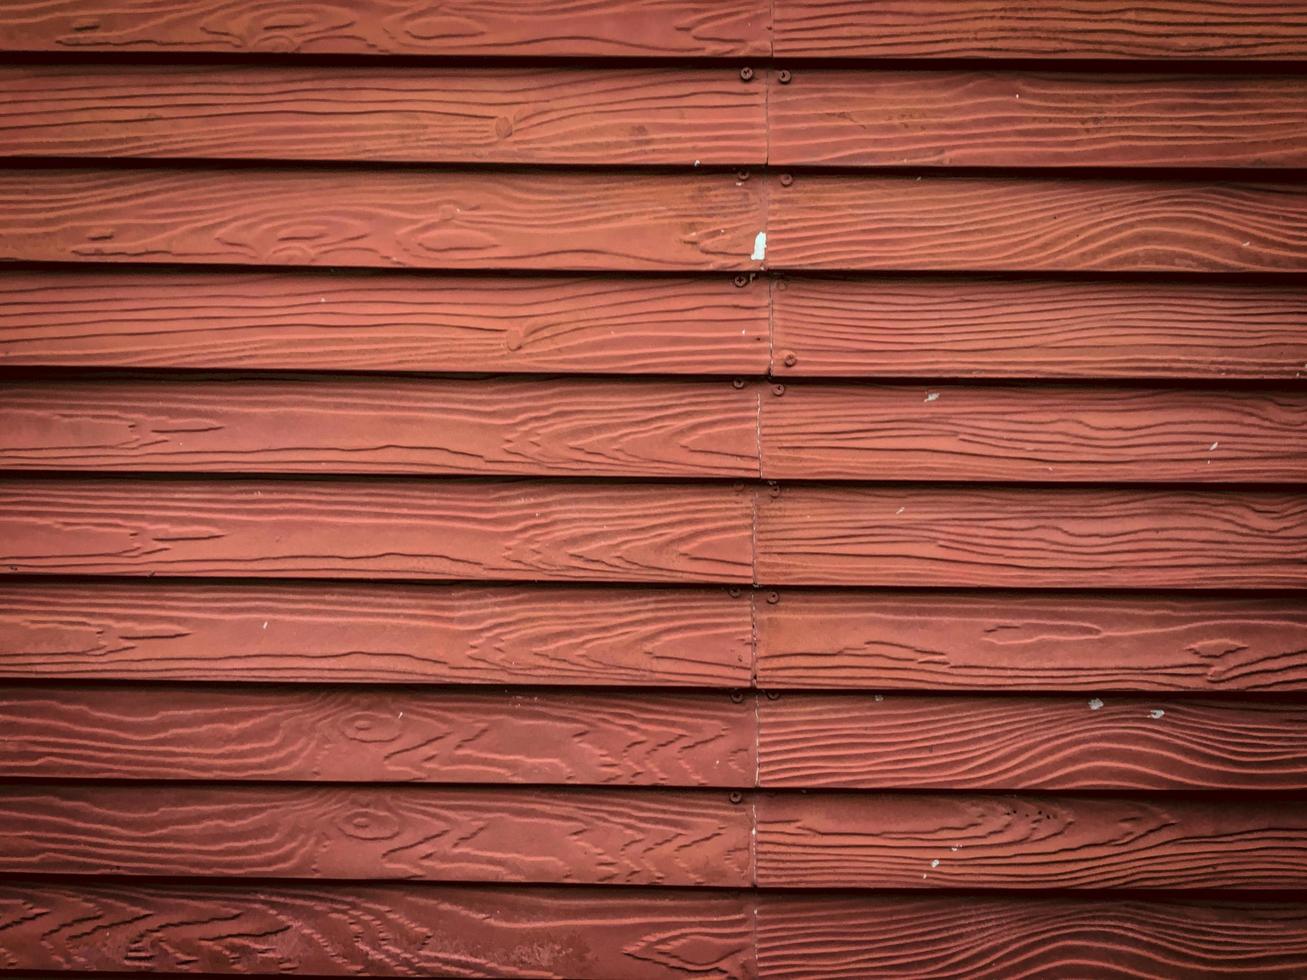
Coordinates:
column 759, row 247
column 1095, row 704
column 1156, row 713
column 932, row 396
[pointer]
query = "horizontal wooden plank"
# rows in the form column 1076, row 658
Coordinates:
column 1037, row 119
column 396, row 528
column 633, row 837
column 998, row 937
column 337, row 632
column 1049, row 742
column 178, row 423
column 378, row 930
column 376, row 735
column 556, row 28
column 1017, row 536
column 682, row 116
column 878, row 841
column 1034, row 223
column 1271, row 29
column 970, row 327
column 955, row 432
column 123, row 317
column 528, row 219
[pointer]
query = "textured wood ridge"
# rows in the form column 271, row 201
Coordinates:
column 1037, row 119
column 378, row 930
column 381, row 321
column 414, row 634
column 1036, row 328
column 529, row 219
column 672, row 837
column 1051, row 29
column 406, row 114
column 389, row 425
column 1032, row 642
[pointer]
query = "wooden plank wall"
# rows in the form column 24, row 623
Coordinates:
column 653, row 488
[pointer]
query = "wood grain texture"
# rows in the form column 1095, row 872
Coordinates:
column 1050, row 742
column 997, row 937
column 378, row 930
column 396, row 528
column 300, row 733
column 954, row 432
column 555, row 28
column 1010, row 536
column 1037, row 119
column 1266, row 29
column 876, row 841
column 633, row 837
column 381, row 321
column 336, row 632
column 970, row 327
column 314, row 424
column 1034, row 223
column 529, row 219
column 403, row 114
column 1032, row 642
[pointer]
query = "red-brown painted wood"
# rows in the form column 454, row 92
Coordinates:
column 124, row 317
column 336, row 632
column 555, row 28
column 302, row 733
column 1049, row 742
column 507, row 426
column 414, row 528
column 879, row 841
column 1010, row 536
column 1051, row 29
column 1035, row 223
column 1025, row 642
column 632, row 837
column 950, row 432
column 1036, row 119
column 969, row 327
column 528, row 219
column 409, row 114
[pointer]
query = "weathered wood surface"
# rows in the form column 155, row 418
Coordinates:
column 880, row 841
column 378, row 930
column 303, row 733
column 1031, row 537
column 381, row 321
column 504, row 426
column 1031, row 642
column 997, row 937
column 554, row 28
column 1036, row 119
column 1269, row 29
column 385, row 218
column 335, row 632
column 1035, row 223
column 1050, row 742
column 393, row 528
column 520, row 115
column 951, row 432
column 970, row 327
column 611, row 836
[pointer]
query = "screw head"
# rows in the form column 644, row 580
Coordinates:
column 783, row 76
column 791, row 359
column 737, row 697
column 746, row 74
column 778, row 390
column 737, row 383
column 741, row 281
column 733, row 593
column 737, row 796
column 741, row 175
column 773, row 695
column 773, row 598
column 787, row 180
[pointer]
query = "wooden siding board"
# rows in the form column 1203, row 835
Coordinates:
column 528, row 219
column 302, row 733
column 1049, row 742
column 382, row 321
column 1032, row 537
column 614, row 836
column 560, row 427
column 394, row 528
column 377, row 633
column 408, row 114
column 972, row 327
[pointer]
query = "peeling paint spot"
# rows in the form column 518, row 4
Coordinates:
column 1095, row 704
column 1156, row 713
column 759, row 247
column 932, row 396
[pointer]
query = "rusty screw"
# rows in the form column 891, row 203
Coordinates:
column 741, row 281
column 791, row 359
column 741, row 175
column 778, row 390
column 737, row 383
column 737, row 697
column 773, row 695
column 746, row 74
column 773, row 598
column 737, row 797
column 787, row 180
column 783, row 76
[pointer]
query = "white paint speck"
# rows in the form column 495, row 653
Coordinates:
column 935, row 863
column 265, row 624
column 1095, row 704
column 1212, row 446
column 759, row 247
column 696, row 163
column 880, row 697
column 932, row 396
column 1156, row 713
column 900, row 510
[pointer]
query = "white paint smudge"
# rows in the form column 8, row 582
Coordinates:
column 759, row 247
column 1212, row 446
column 935, row 863
column 1156, row 713
column 932, row 396
column 1095, row 704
